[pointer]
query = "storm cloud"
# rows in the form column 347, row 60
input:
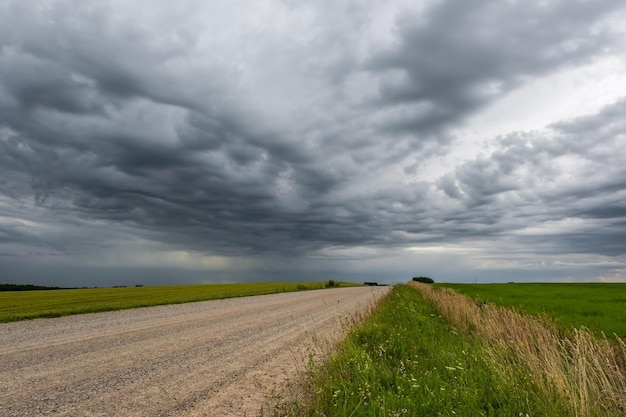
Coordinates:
column 242, row 140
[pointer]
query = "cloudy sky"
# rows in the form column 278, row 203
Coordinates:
column 161, row 142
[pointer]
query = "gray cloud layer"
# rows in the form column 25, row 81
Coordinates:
column 222, row 132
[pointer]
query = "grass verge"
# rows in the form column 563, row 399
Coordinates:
column 405, row 359
column 21, row 305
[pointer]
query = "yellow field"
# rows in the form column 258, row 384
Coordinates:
column 20, row 305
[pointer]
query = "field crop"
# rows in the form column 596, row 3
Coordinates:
column 20, row 305
column 601, row 307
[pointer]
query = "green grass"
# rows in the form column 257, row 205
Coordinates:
column 20, row 305
column 601, row 307
column 406, row 360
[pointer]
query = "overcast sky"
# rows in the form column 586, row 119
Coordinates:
column 160, row 142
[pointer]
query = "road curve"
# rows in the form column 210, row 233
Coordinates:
column 212, row 358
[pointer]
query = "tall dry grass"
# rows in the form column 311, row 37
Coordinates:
column 579, row 370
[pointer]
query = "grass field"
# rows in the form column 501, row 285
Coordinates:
column 601, row 307
column 20, row 305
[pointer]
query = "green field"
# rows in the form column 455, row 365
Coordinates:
column 601, row 307
column 20, row 305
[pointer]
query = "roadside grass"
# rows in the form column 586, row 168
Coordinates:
column 407, row 360
column 21, row 305
column 583, row 373
column 601, row 307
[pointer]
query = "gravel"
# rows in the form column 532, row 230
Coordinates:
column 214, row 358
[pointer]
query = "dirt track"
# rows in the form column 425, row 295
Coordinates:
column 213, row 358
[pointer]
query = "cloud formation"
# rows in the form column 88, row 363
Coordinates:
column 236, row 136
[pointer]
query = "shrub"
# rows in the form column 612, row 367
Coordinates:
column 425, row 280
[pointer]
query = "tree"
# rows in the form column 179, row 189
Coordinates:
column 425, row 280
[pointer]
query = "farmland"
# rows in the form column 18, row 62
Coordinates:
column 599, row 307
column 429, row 350
column 20, row 305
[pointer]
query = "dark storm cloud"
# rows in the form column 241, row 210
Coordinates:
column 536, row 180
column 152, row 124
column 80, row 103
column 455, row 58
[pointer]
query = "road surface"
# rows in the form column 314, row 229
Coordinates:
column 213, row 358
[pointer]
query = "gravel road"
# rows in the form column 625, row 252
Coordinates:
column 212, row 358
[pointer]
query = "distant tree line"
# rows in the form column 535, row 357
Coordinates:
column 25, row 287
